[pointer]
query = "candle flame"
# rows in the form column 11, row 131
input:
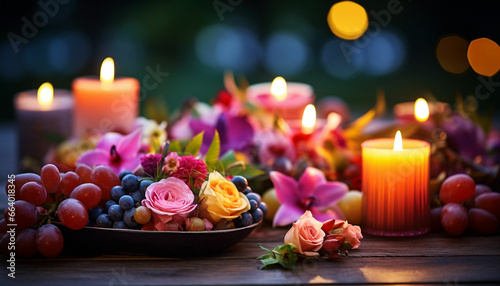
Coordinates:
column 45, row 94
column 398, row 142
column 108, row 70
column 278, row 88
column 309, row 119
column 421, row 110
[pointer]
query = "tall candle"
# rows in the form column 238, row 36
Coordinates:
column 395, row 185
column 44, row 118
column 107, row 104
column 288, row 100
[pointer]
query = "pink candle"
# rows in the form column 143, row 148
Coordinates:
column 107, row 104
column 288, row 102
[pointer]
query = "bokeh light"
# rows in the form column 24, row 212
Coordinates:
column 347, row 20
column 451, row 53
column 484, row 56
column 286, row 53
column 338, row 61
column 384, row 54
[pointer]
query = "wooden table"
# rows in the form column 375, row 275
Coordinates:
column 431, row 259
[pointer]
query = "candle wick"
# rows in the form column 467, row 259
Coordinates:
column 115, row 157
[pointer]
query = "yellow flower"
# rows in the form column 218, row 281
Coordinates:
column 219, row 199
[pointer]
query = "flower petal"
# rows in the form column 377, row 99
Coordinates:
column 198, row 126
column 129, row 145
column 94, row 158
column 108, row 140
column 130, row 164
column 287, row 214
column 286, row 188
column 309, row 180
column 326, row 215
column 328, row 193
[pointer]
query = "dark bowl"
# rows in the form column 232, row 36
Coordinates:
column 91, row 241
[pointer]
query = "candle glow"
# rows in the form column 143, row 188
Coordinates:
column 108, row 70
column 309, row 119
column 398, row 142
column 45, row 94
column 421, row 110
column 278, row 88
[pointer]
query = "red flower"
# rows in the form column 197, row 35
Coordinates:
column 150, row 163
column 191, row 170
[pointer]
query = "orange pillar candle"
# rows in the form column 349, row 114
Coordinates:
column 395, row 186
column 107, row 104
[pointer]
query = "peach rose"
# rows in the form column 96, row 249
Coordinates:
column 352, row 233
column 306, row 234
column 219, row 199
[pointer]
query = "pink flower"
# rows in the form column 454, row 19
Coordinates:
column 150, row 163
column 170, row 201
column 191, row 170
column 306, row 234
column 273, row 145
column 116, row 151
column 312, row 192
column 171, row 163
column 352, row 233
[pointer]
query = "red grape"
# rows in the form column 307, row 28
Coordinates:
column 20, row 180
column 106, row 179
column 480, row 189
column 482, row 221
column 454, row 218
column 89, row 194
column 84, row 172
column 51, row 178
column 49, row 240
column 489, row 202
column 72, row 214
column 26, row 243
column 69, row 181
column 457, row 188
column 436, row 218
column 34, row 193
column 22, row 213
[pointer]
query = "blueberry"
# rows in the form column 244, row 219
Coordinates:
column 115, row 213
column 143, row 185
column 245, row 219
column 263, row 207
column 130, row 183
column 282, row 165
column 103, row 220
column 240, row 182
column 128, row 218
column 257, row 215
column 120, row 224
column 123, row 174
column 117, row 192
column 254, row 196
column 107, row 205
column 126, row 202
column 247, row 191
column 253, row 205
column 94, row 213
column 137, row 196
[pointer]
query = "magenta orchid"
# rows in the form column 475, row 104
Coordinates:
column 120, row 152
column 312, row 192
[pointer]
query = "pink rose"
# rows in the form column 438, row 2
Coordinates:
column 352, row 233
column 170, row 201
column 306, row 234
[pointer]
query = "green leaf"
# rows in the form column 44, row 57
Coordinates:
column 175, row 146
column 213, row 151
column 193, row 147
column 228, row 158
column 281, row 255
column 248, row 171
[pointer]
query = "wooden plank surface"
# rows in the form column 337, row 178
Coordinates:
column 430, row 259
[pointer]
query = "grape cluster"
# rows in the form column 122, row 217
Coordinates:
column 467, row 205
column 258, row 209
column 123, row 209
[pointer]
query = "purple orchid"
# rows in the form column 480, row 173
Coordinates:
column 120, row 152
column 235, row 132
column 312, row 192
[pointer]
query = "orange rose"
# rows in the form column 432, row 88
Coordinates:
column 306, row 234
column 219, row 199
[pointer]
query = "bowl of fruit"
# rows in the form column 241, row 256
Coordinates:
column 96, row 211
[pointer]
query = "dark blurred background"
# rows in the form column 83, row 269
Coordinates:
column 196, row 41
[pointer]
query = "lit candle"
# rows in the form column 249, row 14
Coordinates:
column 44, row 119
column 288, row 100
column 105, row 104
column 419, row 110
column 395, row 186
column 309, row 119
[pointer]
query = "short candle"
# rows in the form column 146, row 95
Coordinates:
column 395, row 186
